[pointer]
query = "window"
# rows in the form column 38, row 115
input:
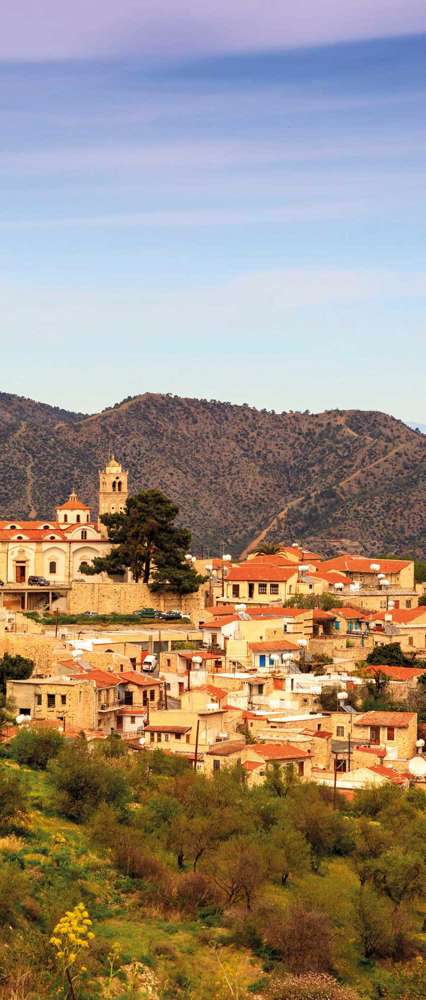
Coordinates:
column 152, row 695
column 63, row 699
column 408, row 604
column 87, row 518
column 340, row 731
column 273, row 588
column 187, row 738
column 290, row 589
column 128, row 697
column 158, row 737
column 166, row 737
column 301, row 768
column 38, row 699
column 235, row 590
column 83, row 535
column 216, row 764
column 65, row 518
column 410, row 640
column 375, row 735
column 145, row 698
column 132, row 720
column 119, row 487
column 52, row 567
column 78, row 519
column 178, row 736
column 390, row 733
column 260, row 688
column 51, row 701
column 151, row 737
column 262, row 588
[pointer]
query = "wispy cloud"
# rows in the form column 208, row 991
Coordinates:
column 31, row 30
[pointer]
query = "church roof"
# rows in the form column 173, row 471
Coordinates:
column 73, row 503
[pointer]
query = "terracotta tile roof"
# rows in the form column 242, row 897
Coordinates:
column 131, row 710
column 215, row 692
column 321, row 734
column 132, row 677
column 273, row 646
column 226, row 749
column 377, row 751
column 362, row 564
column 101, row 678
column 350, row 613
column 251, row 765
column 399, row 720
column 387, row 772
column 401, row 616
column 323, row 616
column 73, row 503
column 260, row 572
column 398, row 673
column 279, row 751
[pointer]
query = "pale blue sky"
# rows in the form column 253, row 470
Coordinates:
column 211, row 213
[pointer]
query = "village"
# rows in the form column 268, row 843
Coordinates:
column 264, row 667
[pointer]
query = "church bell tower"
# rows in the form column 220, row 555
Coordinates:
column 113, row 491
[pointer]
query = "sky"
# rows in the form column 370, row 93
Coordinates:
column 217, row 200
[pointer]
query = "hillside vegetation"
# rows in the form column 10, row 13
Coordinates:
column 335, row 480
column 200, row 889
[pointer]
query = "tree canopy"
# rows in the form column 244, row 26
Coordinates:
column 147, row 541
column 14, row 668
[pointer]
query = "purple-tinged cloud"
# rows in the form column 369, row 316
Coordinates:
column 46, row 29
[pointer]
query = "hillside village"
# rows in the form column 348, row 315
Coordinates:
column 264, row 667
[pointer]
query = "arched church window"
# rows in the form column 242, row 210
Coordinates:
column 119, row 486
column 78, row 518
column 83, row 535
column 114, row 486
column 52, row 567
column 65, row 518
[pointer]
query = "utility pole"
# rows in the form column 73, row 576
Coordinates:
column 196, row 744
column 335, row 783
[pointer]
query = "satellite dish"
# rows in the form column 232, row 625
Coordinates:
column 303, row 569
column 197, row 660
column 240, row 607
column 384, row 583
column 417, row 767
column 380, row 576
column 338, row 586
column 375, row 567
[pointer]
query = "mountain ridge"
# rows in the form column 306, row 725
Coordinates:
column 346, row 478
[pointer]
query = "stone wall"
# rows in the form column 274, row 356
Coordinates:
column 106, row 597
column 41, row 649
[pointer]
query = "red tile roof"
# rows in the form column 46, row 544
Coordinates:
column 215, row 692
column 350, row 613
column 260, row 572
column 73, row 503
column 399, row 720
column 362, row 564
column 101, row 678
column 387, row 772
column 377, row 751
column 279, row 751
column 401, row 616
column 202, row 653
column 398, row 673
column 132, row 677
column 251, row 765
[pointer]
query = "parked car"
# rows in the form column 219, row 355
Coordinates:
column 146, row 613
column 89, row 614
column 37, row 581
column 171, row 616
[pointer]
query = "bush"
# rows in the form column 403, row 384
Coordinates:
column 36, row 747
column 195, row 892
column 83, row 781
column 300, row 936
column 13, row 889
column 13, row 799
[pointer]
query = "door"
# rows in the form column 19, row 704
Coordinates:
column 21, row 572
column 251, row 590
column 375, row 735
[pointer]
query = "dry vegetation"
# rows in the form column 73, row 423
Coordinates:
column 359, row 475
